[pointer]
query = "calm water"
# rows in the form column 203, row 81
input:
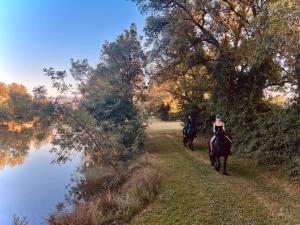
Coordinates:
column 30, row 185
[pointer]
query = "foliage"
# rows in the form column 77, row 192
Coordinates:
column 19, row 221
column 17, row 105
column 234, row 52
column 105, row 111
column 193, row 39
column 293, row 168
column 3, row 93
column 160, row 102
column 272, row 138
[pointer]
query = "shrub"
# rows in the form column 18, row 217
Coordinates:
column 271, row 138
column 293, row 168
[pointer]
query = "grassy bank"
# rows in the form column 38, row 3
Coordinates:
column 131, row 193
column 193, row 193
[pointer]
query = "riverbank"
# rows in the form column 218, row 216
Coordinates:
column 118, row 199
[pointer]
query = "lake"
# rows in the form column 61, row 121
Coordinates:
column 30, row 185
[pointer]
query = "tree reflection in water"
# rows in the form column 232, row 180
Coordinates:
column 15, row 143
column 92, row 177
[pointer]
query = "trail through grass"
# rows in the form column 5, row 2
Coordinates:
column 194, row 193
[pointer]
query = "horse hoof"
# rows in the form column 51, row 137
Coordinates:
column 225, row 174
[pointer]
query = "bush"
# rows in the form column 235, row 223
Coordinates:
column 293, row 168
column 271, row 138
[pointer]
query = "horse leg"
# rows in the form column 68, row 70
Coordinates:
column 225, row 165
column 210, row 154
column 211, row 158
column 217, row 163
column 192, row 143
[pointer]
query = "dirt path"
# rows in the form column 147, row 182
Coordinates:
column 193, row 193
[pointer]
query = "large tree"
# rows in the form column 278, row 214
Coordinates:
column 104, row 115
column 227, row 40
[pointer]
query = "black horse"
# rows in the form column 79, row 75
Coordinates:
column 188, row 139
column 221, row 147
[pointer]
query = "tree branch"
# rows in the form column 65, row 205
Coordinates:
column 83, row 127
column 232, row 8
column 212, row 39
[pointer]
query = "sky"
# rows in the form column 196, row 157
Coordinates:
column 37, row 34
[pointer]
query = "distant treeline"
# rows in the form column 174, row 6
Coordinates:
column 17, row 105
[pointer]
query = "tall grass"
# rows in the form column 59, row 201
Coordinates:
column 116, row 206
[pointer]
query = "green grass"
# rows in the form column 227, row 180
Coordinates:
column 193, row 193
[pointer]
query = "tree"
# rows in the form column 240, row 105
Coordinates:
column 104, row 115
column 281, row 36
column 16, row 103
column 3, row 93
column 19, row 107
column 40, row 93
column 221, row 36
column 17, row 88
column 116, row 89
column 123, row 61
column 159, row 96
column 234, row 52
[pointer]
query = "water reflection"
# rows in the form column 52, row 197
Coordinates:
column 92, row 177
column 15, row 142
column 30, row 185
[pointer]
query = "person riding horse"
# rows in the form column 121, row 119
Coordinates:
column 219, row 131
column 219, row 145
column 189, row 132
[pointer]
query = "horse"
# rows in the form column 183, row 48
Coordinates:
column 189, row 138
column 221, row 147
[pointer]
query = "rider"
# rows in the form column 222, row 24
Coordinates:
column 191, row 125
column 218, row 129
column 189, row 128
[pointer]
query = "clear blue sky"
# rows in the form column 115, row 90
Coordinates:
column 35, row 34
